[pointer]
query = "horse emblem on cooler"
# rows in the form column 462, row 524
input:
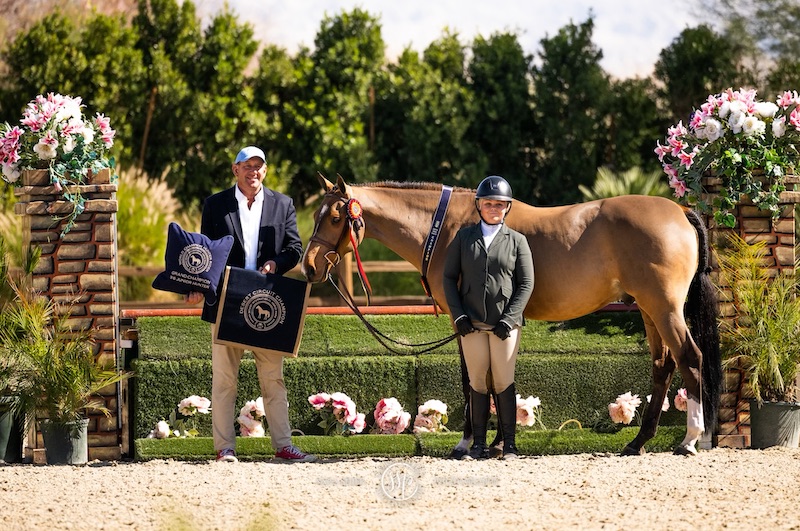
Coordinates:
column 263, row 310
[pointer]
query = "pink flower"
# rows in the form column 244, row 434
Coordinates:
column 678, row 185
column 623, row 409
column 687, row 158
column 194, row 404
column 794, row 118
column 526, row 410
column 424, row 424
column 319, row 400
column 680, row 399
column 359, row 423
column 390, row 418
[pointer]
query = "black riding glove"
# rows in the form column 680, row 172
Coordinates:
column 464, row 326
column 502, row 330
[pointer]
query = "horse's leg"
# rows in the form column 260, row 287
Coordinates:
column 690, row 364
column 462, row 448
column 663, row 369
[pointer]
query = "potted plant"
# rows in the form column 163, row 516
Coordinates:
column 764, row 343
column 11, row 366
column 57, row 376
column 54, row 144
column 750, row 146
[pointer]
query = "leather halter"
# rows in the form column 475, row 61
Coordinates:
column 353, row 231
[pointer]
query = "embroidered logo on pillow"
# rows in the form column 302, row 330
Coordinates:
column 193, row 262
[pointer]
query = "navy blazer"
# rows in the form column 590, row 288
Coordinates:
column 278, row 238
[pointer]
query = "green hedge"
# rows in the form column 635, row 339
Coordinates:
column 570, row 387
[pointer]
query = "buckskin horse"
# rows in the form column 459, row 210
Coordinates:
column 587, row 255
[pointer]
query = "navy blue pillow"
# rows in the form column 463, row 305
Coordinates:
column 193, row 262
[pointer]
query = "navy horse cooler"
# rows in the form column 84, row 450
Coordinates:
column 263, row 313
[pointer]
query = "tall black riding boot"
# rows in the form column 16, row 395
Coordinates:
column 496, row 446
column 506, row 406
column 479, row 406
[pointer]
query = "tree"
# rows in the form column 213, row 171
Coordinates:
column 699, row 62
column 635, row 121
column 422, row 116
column 326, row 125
column 501, row 126
column 571, row 93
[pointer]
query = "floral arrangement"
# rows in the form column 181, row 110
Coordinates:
column 251, row 423
column 737, row 138
column 339, row 415
column 626, row 407
column 431, row 417
column 54, row 135
column 181, row 420
column 390, row 417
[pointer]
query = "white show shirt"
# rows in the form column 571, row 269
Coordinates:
column 489, row 232
column 250, row 218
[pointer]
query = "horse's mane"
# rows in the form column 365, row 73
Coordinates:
column 411, row 185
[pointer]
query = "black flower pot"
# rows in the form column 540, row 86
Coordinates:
column 774, row 424
column 66, row 444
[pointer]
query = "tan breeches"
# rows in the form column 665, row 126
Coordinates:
column 483, row 351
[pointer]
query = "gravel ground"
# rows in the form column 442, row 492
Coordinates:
column 718, row 489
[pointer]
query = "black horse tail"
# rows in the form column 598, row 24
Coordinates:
column 702, row 312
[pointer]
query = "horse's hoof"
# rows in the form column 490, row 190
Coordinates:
column 458, row 453
column 685, row 450
column 495, row 452
column 629, row 450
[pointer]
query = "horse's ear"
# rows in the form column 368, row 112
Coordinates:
column 324, row 183
column 342, row 185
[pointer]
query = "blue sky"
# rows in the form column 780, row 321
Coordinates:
column 631, row 33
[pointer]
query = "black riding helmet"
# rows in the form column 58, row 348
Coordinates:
column 494, row 187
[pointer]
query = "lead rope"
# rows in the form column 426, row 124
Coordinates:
column 382, row 338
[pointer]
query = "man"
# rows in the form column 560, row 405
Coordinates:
column 264, row 226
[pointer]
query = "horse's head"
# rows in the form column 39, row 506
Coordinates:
column 338, row 225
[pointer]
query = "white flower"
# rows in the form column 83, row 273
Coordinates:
column 779, row 127
column 724, row 109
column 766, row 109
column 11, row 173
column 736, row 121
column 433, row 406
column 71, row 109
column 162, row 429
column 712, row 129
column 46, row 149
column 753, row 126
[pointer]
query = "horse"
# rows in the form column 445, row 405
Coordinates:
column 587, row 255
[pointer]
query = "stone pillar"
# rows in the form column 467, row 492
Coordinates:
column 752, row 225
column 80, row 267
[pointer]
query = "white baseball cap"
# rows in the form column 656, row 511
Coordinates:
column 248, row 153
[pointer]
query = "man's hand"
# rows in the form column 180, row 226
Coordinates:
column 269, row 267
column 464, row 326
column 193, row 297
column 502, row 330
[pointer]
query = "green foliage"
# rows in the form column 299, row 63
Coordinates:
column 699, row 62
column 634, row 181
column 635, row 120
column 764, row 342
column 145, row 209
column 571, row 93
column 58, row 374
column 502, row 124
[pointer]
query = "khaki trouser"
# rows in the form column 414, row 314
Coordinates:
column 225, row 363
column 484, row 350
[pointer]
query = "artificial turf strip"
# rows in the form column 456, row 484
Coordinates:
column 563, row 442
column 539, row 442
